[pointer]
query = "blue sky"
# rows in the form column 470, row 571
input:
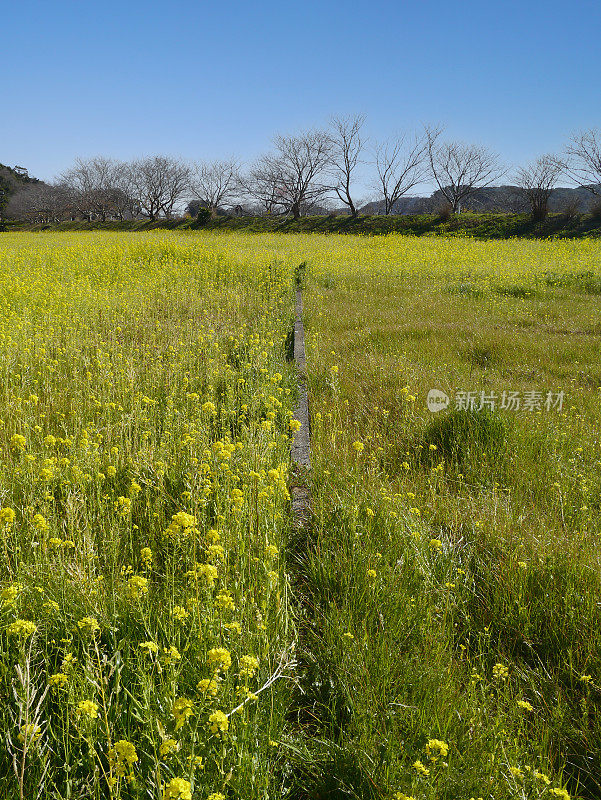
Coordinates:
column 208, row 80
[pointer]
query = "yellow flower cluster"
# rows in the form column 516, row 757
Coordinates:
column 177, row 789
column 218, row 722
column 219, row 659
column 122, row 756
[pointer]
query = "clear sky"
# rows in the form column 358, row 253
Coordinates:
column 203, row 79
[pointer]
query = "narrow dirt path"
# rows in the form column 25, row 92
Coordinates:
column 301, row 445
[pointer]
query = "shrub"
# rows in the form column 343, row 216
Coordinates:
column 203, row 216
column 595, row 210
column 445, row 212
column 571, row 209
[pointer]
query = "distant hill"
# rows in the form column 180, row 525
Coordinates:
column 11, row 180
column 509, row 199
column 406, row 205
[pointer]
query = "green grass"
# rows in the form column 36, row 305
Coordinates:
column 476, row 225
column 480, row 529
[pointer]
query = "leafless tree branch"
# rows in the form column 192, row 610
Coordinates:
column 400, row 165
column 289, row 177
column 459, row 168
column 216, row 183
column 583, row 162
column 537, row 181
column 347, row 145
column 159, row 183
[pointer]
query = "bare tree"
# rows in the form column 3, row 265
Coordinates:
column 583, row 162
column 41, row 203
column 262, row 185
column 400, row 164
column 216, row 183
column 23, row 203
column 159, row 183
column 346, row 148
column 93, row 183
column 123, row 201
column 459, row 168
column 537, row 181
column 293, row 170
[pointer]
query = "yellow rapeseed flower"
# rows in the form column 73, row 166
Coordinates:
column 208, row 686
column 500, row 672
column 123, row 506
column 516, row 772
column 180, row 613
column 171, row 655
column 168, row 747
column 137, row 587
column 436, row 749
column 58, row 681
column 87, row 708
column 225, row 601
column 88, row 625
column 22, row 628
column 218, row 722
column 177, row 789
column 18, row 442
column 9, row 594
column 7, row 516
column 182, row 710
column 29, row 733
column 248, row 666
column 219, row 659
column 122, row 756
column 40, row 523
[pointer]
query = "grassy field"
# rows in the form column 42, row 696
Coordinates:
column 481, row 225
column 452, row 587
column 163, row 631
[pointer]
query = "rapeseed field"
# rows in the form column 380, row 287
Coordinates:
column 165, row 633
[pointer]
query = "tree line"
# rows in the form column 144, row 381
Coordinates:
column 305, row 173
